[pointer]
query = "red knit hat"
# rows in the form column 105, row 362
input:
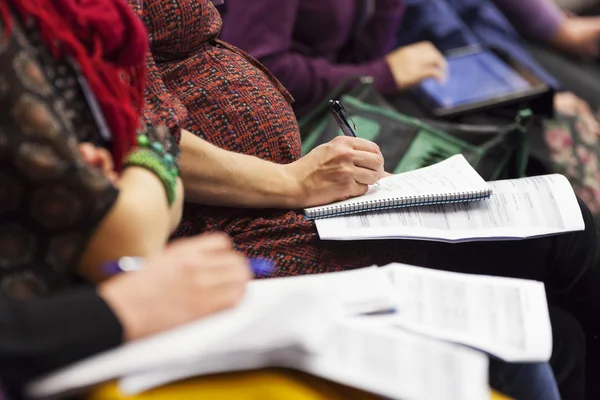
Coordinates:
column 109, row 44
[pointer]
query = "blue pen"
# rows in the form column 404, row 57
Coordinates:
column 260, row 267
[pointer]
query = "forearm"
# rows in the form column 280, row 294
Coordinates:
column 138, row 224
column 34, row 341
column 217, row 177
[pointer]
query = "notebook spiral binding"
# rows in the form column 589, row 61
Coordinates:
column 397, row 202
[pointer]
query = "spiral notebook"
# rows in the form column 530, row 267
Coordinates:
column 451, row 181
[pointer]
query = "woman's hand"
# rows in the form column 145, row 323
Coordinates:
column 101, row 159
column 412, row 64
column 190, row 279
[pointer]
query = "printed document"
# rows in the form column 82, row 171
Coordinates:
column 517, row 209
column 376, row 357
column 503, row 316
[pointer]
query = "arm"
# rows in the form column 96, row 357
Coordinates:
column 138, row 224
column 38, row 336
column 218, row 177
column 71, row 198
column 264, row 28
column 538, row 19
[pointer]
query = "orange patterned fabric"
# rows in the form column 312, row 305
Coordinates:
column 229, row 99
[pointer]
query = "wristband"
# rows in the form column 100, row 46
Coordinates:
column 165, row 171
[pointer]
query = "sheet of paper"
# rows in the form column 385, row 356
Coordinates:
column 517, row 208
column 396, row 364
column 260, row 324
column 359, row 291
column 276, row 314
column 502, row 316
column 366, row 353
column 454, row 175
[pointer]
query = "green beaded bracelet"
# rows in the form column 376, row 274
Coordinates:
column 150, row 160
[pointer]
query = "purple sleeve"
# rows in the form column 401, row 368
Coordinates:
column 378, row 37
column 538, row 19
column 264, row 29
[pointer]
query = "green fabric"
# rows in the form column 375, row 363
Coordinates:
column 409, row 143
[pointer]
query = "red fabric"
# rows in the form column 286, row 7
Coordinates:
column 109, row 43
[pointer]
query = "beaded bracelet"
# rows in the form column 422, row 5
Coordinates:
column 152, row 156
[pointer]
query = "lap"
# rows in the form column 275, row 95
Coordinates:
column 265, row 385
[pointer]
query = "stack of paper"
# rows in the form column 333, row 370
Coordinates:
column 517, row 209
column 319, row 324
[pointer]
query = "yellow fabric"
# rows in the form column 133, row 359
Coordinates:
column 256, row 385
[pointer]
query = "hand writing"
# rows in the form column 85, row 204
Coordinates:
column 190, row 279
column 340, row 169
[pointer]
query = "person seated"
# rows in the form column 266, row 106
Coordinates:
column 61, row 216
column 312, row 48
column 568, row 46
column 60, row 213
column 243, row 172
column 194, row 277
column 191, row 279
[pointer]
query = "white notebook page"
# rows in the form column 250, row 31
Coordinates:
column 452, row 176
column 504, row 316
column 517, row 208
column 396, row 364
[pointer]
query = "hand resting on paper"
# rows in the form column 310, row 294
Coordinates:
column 190, row 279
column 338, row 170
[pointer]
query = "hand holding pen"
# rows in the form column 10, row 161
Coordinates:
column 343, row 120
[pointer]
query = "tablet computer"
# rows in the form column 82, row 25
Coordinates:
column 477, row 80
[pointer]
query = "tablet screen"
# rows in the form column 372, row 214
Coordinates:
column 474, row 77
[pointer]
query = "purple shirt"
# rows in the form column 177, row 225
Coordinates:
column 311, row 45
column 538, row 19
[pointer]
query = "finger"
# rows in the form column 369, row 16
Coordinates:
column 357, row 189
column 113, row 177
column 105, row 159
column 87, row 153
column 363, row 145
column 223, row 269
column 206, row 243
column 368, row 160
column 365, row 176
column 225, row 297
column 436, row 73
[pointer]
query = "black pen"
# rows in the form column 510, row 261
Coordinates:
column 342, row 118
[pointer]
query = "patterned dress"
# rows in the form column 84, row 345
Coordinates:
column 229, row 99
column 50, row 201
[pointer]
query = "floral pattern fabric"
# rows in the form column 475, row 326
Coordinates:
column 575, row 153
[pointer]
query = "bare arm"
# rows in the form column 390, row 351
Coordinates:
column 138, row 224
column 218, row 177
column 333, row 171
